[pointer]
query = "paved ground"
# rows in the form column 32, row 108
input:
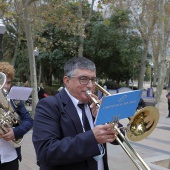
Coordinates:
column 154, row 150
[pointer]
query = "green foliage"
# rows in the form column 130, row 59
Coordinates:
column 22, row 66
column 110, row 42
column 56, row 47
column 15, row 51
column 115, row 47
column 111, row 85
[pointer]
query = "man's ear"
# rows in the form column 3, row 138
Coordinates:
column 66, row 80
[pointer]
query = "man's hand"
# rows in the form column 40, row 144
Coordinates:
column 9, row 135
column 104, row 133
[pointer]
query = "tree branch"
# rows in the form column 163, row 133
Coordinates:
column 28, row 2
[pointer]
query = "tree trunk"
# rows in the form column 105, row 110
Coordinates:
column 31, row 57
column 142, row 65
column 145, row 22
column 163, row 69
column 81, row 38
column 82, row 25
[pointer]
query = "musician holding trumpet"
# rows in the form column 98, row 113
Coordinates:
column 10, row 150
column 64, row 135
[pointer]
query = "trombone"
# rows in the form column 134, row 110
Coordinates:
column 139, row 127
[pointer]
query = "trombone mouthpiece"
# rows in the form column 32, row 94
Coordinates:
column 88, row 92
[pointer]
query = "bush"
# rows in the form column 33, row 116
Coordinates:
column 52, row 90
column 134, row 87
column 111, row 85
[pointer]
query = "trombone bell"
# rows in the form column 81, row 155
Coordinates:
column 142, row 123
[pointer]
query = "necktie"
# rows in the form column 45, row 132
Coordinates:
column 87, row 127
column 84, row 117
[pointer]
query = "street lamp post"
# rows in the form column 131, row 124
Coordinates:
column 36, row 53
column 152, row 66
column 2, row 31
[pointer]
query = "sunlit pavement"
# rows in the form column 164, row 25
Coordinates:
column 154, row 150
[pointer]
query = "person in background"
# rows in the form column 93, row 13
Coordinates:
column 9, row 155
column 41, row 91
column 168, row 97
column 29, row 101
column 141, row 104
column 64, row 134
column 60, row 88
column 26, row 84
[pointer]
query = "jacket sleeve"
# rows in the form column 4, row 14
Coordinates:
column 26, row 121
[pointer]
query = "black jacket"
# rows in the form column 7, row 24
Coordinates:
column 61, row 143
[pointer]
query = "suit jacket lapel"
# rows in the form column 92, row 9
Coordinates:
column 71, row 111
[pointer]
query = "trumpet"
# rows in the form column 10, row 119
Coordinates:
column 139, row 127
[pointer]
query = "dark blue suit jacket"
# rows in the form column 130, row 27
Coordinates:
column 58, row 137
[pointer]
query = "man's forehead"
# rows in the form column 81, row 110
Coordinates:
column 85, row 71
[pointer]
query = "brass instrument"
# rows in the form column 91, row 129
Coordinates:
column 8, row 117
column 140, row 126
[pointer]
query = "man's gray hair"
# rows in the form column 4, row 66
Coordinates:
column 78, row 63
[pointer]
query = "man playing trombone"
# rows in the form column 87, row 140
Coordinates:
column 64, row 135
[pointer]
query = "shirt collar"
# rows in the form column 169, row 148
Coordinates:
column 74, row 100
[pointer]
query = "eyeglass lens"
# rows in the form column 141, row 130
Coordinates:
column 85, row 80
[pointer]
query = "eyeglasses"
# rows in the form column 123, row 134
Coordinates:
column 84, row 80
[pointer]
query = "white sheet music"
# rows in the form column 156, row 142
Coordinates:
column 19, row 93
